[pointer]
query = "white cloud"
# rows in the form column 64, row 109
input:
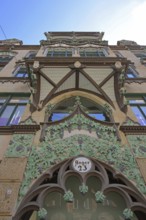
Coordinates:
column 129, row 23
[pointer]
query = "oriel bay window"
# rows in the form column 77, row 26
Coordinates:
column 138, row 106
column 11, row 109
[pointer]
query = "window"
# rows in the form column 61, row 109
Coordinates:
column 138, row 106
column 5, row 59
column 140, row 55
column 131, row 72
column 6, row 56
column 31, row 54
column 66, row 107
column 21, row 72
column 91, row 52
column 59, row 52
column 1, row 67
column 11, row 109
column 118, row 54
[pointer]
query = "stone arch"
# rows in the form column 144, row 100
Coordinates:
column 91, row 184
column 85, row 94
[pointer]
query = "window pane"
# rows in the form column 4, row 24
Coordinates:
column 2, row 100
column 18, row 100
column 143, row 109
column 25, row 75
column 19, row 74
column 100, row 54
column 136, row 101
column 91, row 54
column 58, row 116
column 69, row 53
column 5, row 58
column 50, row 54
column 59, row 53
column 130, row 75
column 82, row 54
column 98, row 116
column 17, row 115
column 6, row 115
column 139, row 115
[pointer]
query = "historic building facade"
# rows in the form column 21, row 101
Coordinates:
column 72, row 129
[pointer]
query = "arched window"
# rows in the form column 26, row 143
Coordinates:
column 67, row 106
column 81, row 188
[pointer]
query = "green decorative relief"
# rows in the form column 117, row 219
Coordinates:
column 42, row 213
column 68, row 196
column 99, row 197
column 103, row 145
column 138, row 145
column 28, row 121
column 49, row 109
column 83, row 188
column 128, row 214
column 20, row 145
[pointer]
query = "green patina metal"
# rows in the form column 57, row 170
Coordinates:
column 20, row 145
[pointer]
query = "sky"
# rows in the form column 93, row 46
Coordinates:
column 27, row 20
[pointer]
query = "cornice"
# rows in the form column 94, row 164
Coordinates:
column 133, row 129
column 19, row 129
column 135, row 80
column 20, row 47
column 14, row 80
column 90, row 61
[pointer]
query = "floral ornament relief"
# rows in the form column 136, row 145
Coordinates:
column 55, row 148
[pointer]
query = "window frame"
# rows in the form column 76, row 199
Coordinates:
column 138, row 105
column 21, row 70
column 96, row 112
column 131, row 69
column 66, row 52
column 7, row 102
column 31, row 54
column 99, row 52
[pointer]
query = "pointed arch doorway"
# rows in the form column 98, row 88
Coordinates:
column 82, row 188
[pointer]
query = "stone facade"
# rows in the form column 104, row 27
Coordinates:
column 76, row 97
